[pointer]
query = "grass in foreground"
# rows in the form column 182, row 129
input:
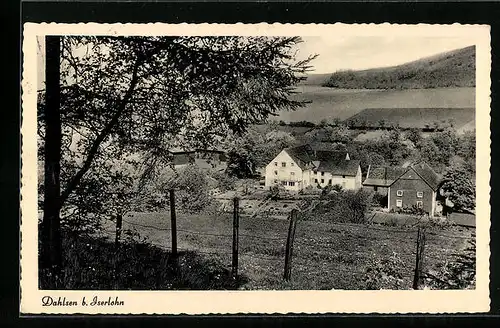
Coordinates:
column 326, row 255
column 95, row 264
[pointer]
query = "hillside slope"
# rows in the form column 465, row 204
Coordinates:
column 450, row 69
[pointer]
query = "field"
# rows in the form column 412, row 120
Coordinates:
column 329, row 103
column 413, row 117
column 326, row 255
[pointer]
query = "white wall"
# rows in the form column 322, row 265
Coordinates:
column 290, row 173
column 304, row 178
column 347, row 182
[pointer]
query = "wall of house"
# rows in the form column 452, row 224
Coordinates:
column 380, row 190
column 410, row 183
column 289, row 176
column 358, row 179
column 347, row 182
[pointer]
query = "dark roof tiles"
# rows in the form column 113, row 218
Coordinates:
column 427, row 174
column 383, row 176
column 327, row 157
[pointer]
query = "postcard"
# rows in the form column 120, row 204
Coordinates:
column 255, row 168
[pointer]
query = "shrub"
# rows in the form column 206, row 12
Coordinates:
column 224, row 181
column 348, row 206
column 414, row 210
column 457, row 274
column 385, row 273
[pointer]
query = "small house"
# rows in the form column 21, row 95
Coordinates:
column 416, row 185
column 203, row 158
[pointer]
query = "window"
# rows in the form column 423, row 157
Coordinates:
column 399, row 193
column 292, row 173
column 283, row 183
column 314, row 172
column 275, row 172
column 283, row 164
column 275, row 181
column 322, row 180
column 399, row 202
column 291, row 183
column 315, row 180
column 375, row 188
column 291, row 164
column 343, row 176
column 330, row 182
column 275, row 163
column 322, row 173
column 420, row 194
column 420, row 204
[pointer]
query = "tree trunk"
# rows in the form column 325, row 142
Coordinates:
column 51, row 252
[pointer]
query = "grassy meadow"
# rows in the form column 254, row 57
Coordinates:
column 330, row 103
column 413, row 117
column 326, row 255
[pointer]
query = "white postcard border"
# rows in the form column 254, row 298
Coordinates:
column 225, row 302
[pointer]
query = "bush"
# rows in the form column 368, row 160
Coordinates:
column 385, row 273
column 457, row 274
column 224, row 181
column 414, row 210
column 348, row 206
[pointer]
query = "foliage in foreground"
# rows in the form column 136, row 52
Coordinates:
column 94, row 263
column 457, row 274
column 342, row 207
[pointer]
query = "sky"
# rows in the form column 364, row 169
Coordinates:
column 353, row 52
column 363, row 52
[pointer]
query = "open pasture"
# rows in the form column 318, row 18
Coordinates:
column 330, row 103
column 420, row 118
column 326, row 255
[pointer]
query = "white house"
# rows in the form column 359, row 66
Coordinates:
column 311, row 165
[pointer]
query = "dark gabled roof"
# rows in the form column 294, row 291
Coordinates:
column 329, row 157
column 301, row 154
column 340, row 167
column 427, row 174
column 194, row 150
column 383, row 176
column 326, row 146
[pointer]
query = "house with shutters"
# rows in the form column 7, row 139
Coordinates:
column 414, row 185
column 318, row 164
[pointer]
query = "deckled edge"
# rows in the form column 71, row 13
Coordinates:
column 28, row 27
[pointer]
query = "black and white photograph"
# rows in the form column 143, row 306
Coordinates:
column 336, row 159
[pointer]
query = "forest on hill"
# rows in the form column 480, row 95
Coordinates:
column 450, row 69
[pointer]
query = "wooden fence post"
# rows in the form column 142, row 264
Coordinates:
column 419, row 257
column 173, row 223
column 119, row 218
column 289, row 244
column 236, row 224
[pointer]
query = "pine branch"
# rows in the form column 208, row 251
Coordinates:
column 102, row 136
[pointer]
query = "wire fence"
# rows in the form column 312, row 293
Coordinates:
column 312, row 247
